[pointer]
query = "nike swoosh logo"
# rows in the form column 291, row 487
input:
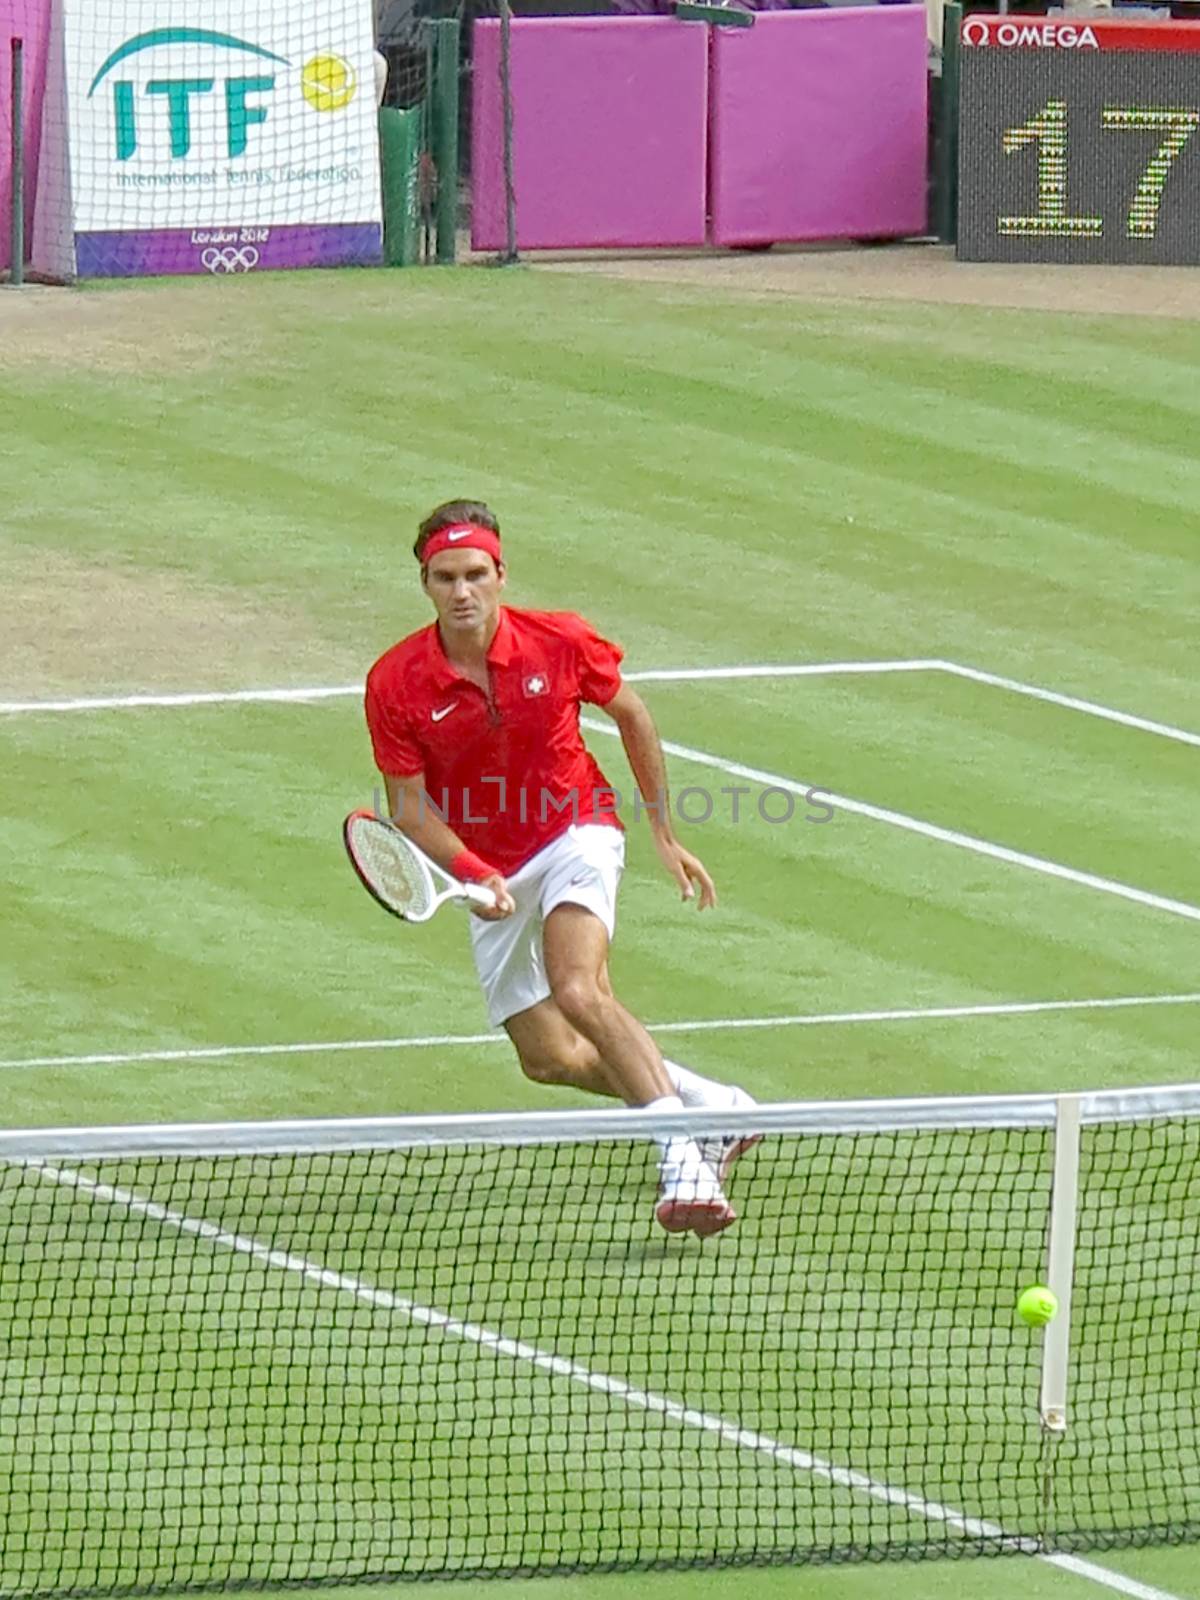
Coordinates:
column 437, row 716
column 455, row 537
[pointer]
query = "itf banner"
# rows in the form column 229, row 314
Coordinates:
column 172, row 147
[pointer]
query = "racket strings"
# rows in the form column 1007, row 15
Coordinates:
column 392, row 869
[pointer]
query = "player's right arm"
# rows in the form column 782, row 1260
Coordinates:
column 410, row 808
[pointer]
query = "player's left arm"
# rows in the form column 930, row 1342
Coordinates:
column 648, row 764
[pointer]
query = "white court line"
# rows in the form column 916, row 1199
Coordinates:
column 126, row 702
column 1105, row 1576
column 216, row 697
column 1089, row 707
column 229, row 1052
column 930, row 830
column 815, row 670
column 956, row 669
column 895, row 819
column 499, row 1344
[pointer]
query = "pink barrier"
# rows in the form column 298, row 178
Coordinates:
column 819, row 126
column 610, row 122
column 28, row 20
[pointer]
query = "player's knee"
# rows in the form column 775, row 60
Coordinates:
column 571, row 1064
column 543, row 1069
column 579, row 998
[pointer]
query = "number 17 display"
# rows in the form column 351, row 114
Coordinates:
column 1077, row 143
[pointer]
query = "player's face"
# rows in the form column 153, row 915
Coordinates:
column 464, row 586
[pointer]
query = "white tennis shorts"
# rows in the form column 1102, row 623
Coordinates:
column 582, row 867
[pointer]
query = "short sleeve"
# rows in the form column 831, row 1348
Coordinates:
column 599, row 665
column 396, row 751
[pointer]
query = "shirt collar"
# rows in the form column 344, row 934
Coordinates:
column 443, row 672
column 500, row 651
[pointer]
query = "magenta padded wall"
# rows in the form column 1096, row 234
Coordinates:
column 609, row 132
column 819, row 126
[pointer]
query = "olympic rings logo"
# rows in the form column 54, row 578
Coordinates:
column 230, row 260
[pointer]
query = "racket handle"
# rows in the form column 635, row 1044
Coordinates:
column 478, row 895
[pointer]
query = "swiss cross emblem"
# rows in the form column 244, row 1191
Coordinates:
column 535, row 684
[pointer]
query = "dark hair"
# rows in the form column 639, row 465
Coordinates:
column 450, row 512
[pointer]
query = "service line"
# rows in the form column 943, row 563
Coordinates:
column 444, row 1041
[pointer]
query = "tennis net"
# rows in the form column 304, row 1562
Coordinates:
column 319, row 1352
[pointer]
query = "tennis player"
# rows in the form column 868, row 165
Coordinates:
column 475, row 726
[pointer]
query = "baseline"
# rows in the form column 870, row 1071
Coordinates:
column 126, row 702
column 1090, row 708
column 815, row 669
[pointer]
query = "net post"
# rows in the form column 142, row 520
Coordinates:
column 444, row 134
column 948, row 114
column 1060, row 1268
column 17, row 210
column 1060, row 1272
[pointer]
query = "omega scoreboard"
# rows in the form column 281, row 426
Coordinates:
column 1079, row 141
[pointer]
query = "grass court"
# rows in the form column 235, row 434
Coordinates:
column 212, row 487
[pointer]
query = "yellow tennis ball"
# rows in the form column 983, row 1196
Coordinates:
column 328, row 83
column 1037, row 1306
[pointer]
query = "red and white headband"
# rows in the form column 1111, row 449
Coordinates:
column 462, row 536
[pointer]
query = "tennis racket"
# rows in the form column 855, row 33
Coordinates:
column 402, row 878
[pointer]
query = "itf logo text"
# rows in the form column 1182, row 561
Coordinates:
column 328, row 83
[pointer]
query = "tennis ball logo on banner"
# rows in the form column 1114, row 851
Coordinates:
column 328, row 83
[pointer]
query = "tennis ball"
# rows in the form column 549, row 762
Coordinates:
column 1037, row 1306
column 328, row 83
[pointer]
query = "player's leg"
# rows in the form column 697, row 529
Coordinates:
column 720, row 1150
column 583, row 869
column 577, row 893
column 512, row 973
column 575, row 945
column 510, row 959
column 552, row 1051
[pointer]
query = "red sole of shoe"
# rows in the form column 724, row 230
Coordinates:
column 702, row 1217
column 736, row 1151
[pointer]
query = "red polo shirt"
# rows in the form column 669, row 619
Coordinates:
column 509, row 772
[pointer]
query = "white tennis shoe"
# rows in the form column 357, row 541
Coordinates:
column 721, row 1151
column 690, row 1198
